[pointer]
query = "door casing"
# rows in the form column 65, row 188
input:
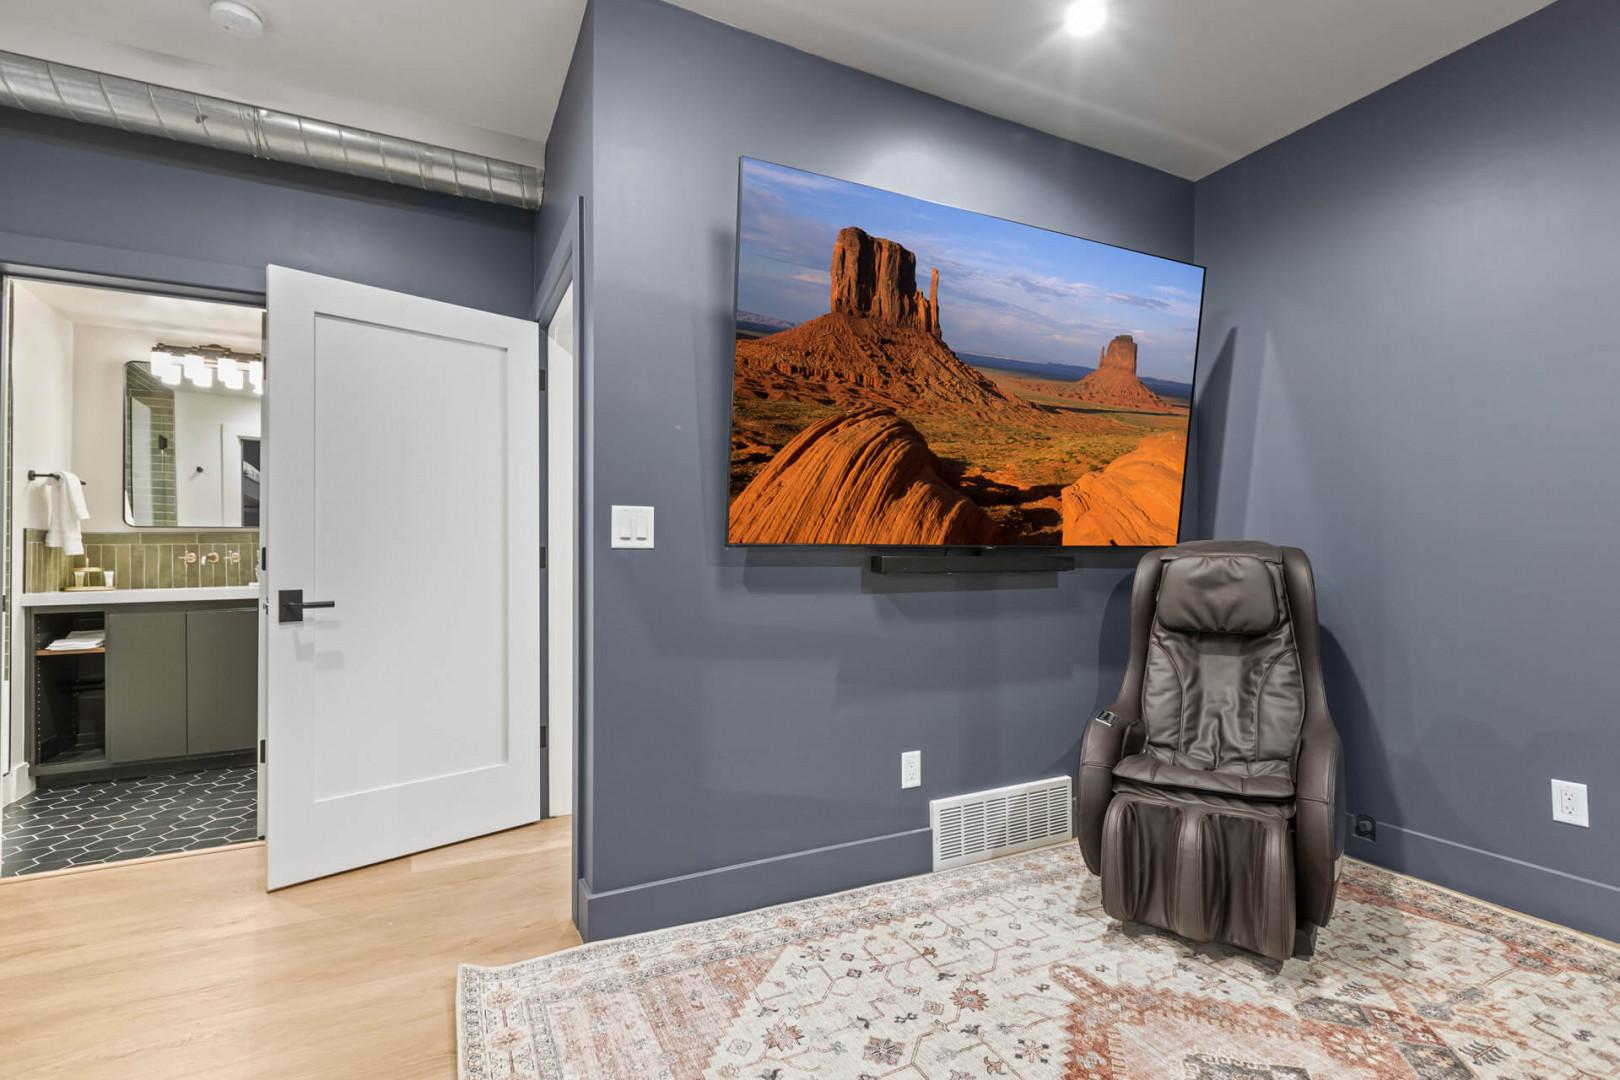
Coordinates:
column 567, row 276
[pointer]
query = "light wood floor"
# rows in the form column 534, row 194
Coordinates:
column 186, row 967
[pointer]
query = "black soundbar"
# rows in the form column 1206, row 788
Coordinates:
column 989, row 562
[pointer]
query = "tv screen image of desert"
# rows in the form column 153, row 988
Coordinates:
column 914, row 374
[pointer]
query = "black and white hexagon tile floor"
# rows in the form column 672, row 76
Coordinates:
column 55, row 828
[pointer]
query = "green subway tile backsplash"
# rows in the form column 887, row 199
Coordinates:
column 147, row 560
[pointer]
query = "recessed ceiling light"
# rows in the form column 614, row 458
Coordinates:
column 236, row 18
column 1085, row 17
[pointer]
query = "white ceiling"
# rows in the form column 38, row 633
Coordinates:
column 477, row 75
column 1184, row 85
column 1187, row 86
column 171, row 319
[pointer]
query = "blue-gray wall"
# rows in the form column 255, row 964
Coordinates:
column 569, row 157
column 1411, row 369
column 745, row 712
column 91, row 199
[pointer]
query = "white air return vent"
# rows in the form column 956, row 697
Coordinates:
column 985, row 824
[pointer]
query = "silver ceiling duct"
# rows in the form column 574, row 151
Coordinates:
column 58, row 90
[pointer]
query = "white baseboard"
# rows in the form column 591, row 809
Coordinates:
column 16, row 784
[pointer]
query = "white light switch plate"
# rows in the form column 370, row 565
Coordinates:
column 632, row 526
column 911, row 769
column 1569, row 803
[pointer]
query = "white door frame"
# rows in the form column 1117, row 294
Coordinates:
column 566, row 393
column 12, row 784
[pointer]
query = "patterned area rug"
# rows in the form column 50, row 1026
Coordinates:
column 1011, row 969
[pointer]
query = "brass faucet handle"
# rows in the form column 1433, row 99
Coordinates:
column 188, row 557
column 211, row 558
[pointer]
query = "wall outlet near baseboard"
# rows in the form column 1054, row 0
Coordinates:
column 1569, row 803
column 911, row 769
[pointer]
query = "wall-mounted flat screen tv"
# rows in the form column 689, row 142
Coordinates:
column 913, row 374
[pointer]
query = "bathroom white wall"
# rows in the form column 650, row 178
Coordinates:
column 40, row 355
column 42, row 377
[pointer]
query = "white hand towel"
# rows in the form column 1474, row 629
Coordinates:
column 67, row 510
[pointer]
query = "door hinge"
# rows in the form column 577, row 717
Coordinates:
column 542, row 556
column 262, row 756
column 542, row 380
column 264, row 558
column 545, row 732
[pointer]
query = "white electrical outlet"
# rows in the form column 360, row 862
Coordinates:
column 911, row 769
column 1569, row 803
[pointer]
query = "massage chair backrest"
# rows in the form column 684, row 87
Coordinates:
column 1222, row 684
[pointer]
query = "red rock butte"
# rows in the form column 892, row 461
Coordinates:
column 1115, row 382
column 874, row 278
column 879, row 345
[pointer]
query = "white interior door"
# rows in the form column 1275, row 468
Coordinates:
column 402, row 486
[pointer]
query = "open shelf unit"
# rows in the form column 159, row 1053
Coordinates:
column 69, row 696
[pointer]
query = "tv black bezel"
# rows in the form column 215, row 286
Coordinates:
column 731, row 395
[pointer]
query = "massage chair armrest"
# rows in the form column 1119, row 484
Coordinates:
column 1100, row 750
column 1318, row 817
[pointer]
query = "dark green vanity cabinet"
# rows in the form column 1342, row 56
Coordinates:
column 222, row 680
column 177, row 682
column 181, row 683
column 146, row 685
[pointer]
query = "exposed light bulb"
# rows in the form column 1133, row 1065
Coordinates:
column 164, row 367
column 1085, row 17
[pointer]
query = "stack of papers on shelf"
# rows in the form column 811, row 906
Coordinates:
column 79, row 639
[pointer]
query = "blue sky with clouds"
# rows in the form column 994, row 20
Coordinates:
column 1005, row 289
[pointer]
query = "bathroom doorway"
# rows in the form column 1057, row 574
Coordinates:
column 128, row 717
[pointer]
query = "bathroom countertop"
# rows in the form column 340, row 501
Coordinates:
column 95, row 598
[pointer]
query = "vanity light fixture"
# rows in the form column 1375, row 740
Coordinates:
column 202, row 365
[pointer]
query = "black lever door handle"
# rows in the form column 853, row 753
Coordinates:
column 292, row 605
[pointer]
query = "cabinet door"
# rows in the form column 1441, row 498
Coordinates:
column 222, row 680
column 146, row 685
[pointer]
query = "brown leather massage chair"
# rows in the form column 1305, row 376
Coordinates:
column 1208, row 792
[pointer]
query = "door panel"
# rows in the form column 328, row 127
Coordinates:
column 402, row 484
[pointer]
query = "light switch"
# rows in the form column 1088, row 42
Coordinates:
column 632, row 526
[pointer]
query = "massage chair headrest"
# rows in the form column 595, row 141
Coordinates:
column 1207, row 590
